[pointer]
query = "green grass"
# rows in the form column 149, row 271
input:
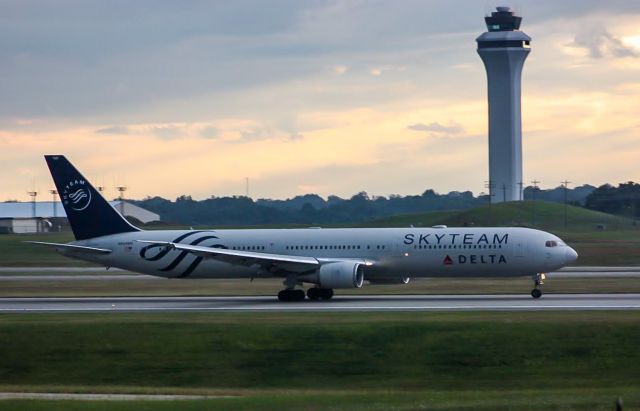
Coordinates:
column 312, row 361
column 15, row 253
column 471, row 351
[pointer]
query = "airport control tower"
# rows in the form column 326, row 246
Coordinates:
column 503, row 49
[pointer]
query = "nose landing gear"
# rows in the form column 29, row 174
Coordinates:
column 538, row 280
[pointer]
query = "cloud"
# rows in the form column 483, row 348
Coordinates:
column 437, row 129
column 256, row 134
column 167, row 132
column 600, row 43
column 296, row 137
column 114, row 130
column 340, row 69
column 210, row 132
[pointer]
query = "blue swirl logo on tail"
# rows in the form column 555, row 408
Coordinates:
column 76, row 195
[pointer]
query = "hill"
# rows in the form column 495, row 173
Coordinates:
column 537, row 214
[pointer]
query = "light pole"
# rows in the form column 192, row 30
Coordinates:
column 54, row 193
column 33, row 195
column 121, row 189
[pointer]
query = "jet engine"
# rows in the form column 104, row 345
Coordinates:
column 341, row 274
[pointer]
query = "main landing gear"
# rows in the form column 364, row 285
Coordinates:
column 314, row 293
column 291, row 295
column 538, row 280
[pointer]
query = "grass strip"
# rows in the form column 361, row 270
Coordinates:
column 397, row 351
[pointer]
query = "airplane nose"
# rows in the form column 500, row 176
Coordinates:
column 570, row 255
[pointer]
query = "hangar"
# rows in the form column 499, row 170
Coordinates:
column 47, row 216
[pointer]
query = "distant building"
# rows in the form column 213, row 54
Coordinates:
column 18, row 217
column 25, row 225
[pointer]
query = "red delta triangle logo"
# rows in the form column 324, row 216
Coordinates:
column 448, row 261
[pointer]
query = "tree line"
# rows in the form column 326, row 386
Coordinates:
column 312, row 209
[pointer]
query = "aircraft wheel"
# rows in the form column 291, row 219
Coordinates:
column 284, row 295
column 298, row 295
column 326, row 293
column 291, row 295
column 536, row 293
column 314, row 293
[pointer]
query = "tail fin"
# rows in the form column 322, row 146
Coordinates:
column 89, row 214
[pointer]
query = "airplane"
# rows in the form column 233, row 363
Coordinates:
column 328, row 259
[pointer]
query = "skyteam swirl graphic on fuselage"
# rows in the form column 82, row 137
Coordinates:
column 183, row 254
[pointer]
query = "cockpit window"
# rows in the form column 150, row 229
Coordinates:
column 551, row 243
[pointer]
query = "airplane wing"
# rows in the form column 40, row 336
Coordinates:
column 271, row 262
column 71, row 247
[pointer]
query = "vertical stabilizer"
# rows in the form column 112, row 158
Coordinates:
column 89, row 214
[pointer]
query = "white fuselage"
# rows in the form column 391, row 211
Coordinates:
column 394, row 252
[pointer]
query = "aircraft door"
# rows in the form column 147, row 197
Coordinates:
column 518, row 248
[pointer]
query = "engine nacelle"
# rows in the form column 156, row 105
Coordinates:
column 389, row 281
column 341, row 274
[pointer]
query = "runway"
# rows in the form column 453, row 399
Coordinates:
column 563, row 302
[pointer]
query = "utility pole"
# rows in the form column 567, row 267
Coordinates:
column 565, row 184
column 247, row 186
column 33, row 195
column 504, row 193
column 535, row 195
column 54, row 193
column 490, row 185
column 121, row 189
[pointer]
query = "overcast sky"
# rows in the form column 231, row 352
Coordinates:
column 331, row 97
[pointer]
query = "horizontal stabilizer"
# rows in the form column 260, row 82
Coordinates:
column 71, row 247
